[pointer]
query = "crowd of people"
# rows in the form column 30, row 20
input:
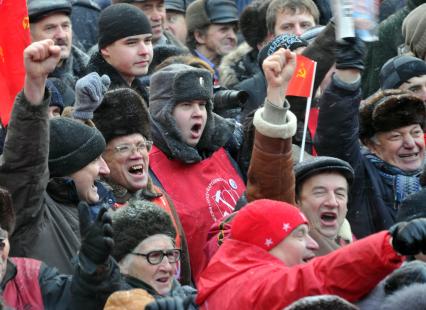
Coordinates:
column 153, row 159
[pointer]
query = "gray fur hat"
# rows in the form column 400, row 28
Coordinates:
column 73, row 146
column 122, row 112
column 176, row 83
column 322, row 302
column 137, row 221
column 412, row 207
column 411, row 297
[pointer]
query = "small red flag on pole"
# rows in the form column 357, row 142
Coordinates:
column 14, row 37
column 301, row 84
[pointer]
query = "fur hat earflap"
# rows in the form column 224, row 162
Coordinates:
column 7, row 213
column 122, row 112
column 137, row 221
column 389, row 109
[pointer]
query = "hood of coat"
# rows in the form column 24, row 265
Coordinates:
column 238, row 65
column 226, row 266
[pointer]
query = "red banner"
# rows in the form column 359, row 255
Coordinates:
column 14, row 37
column 301, row 83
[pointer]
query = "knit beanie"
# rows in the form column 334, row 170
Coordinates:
column 287, row 41
column 202, row 13
column 137, row 221
column 55, row 96
column 73, row 146
column 398, row 70
column 412, row 207
column 120, row 21
column 122, row 112
column 7, row 212
column 413, row 30
column 265, row 223
column 389, row 109
column 321, row 164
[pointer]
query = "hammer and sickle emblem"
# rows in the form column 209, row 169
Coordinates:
column 301, row 72
column 26, row 23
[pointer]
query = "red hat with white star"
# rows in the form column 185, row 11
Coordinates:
column 266, row 222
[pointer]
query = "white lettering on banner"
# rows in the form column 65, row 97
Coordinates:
column 221, row 197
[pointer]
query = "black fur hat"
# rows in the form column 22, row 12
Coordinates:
column 253, row 22
column 389, row 109
column 7, row 213
column 137, row 221
column 412, row 207
column 122, row 112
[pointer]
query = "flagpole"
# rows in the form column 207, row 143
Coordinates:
column 307, row 112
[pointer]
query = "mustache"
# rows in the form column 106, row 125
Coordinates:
column 61, row 42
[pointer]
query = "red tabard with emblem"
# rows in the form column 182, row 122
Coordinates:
column 202, row 193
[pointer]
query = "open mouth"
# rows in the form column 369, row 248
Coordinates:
column 163, row 280
column 409, row 156
column 307, row 259
column 137, row 170
column 328, row 217
column 195, row 129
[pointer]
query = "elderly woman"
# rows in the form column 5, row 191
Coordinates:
column 145, row 250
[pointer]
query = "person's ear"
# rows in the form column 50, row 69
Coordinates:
column 200, row 37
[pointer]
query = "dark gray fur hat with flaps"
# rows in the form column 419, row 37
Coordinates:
column 137, row 221
column 177, row 83
column 389, row 109
column 7, row 213
column 122, row 112
column 72, row 146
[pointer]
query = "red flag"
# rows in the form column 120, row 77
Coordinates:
column 301, row 83
column 14, row 37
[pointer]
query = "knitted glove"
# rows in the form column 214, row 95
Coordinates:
column 409, row 238
column 350, row 54
column 96, row 237
column 89, row 92
column 171, row 303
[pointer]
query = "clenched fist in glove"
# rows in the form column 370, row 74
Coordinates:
column 89, row 92
column 96, row 237
column 409, row 238
column 350, row 54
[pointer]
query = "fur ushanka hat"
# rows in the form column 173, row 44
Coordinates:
column 137, row 221
column 122, row 112
column 389, row 109
column 7, row 213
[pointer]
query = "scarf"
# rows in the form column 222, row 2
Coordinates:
column 402, row 183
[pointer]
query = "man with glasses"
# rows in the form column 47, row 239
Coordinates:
column 126, row 153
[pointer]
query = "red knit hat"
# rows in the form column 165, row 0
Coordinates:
column 266, row 223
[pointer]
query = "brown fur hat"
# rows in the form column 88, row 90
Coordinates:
column 7, row 213
column 122, row 112
column 389, row 109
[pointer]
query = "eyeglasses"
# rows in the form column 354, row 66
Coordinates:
column 156, row 257
column 127, row 149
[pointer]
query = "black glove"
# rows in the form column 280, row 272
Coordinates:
column 171, row 303
column 350, row 54
column 96, row 237
column 409, row 238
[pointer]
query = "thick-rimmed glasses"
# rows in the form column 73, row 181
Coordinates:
column 156, row 257
column 127, row 149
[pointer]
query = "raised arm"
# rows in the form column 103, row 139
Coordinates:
column 23, row 165
column 270, row 174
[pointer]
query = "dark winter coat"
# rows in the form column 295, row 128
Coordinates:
column 371, row 206
column 390, row 38
column 47, row 225
column 98, row 64
column 72, row 68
